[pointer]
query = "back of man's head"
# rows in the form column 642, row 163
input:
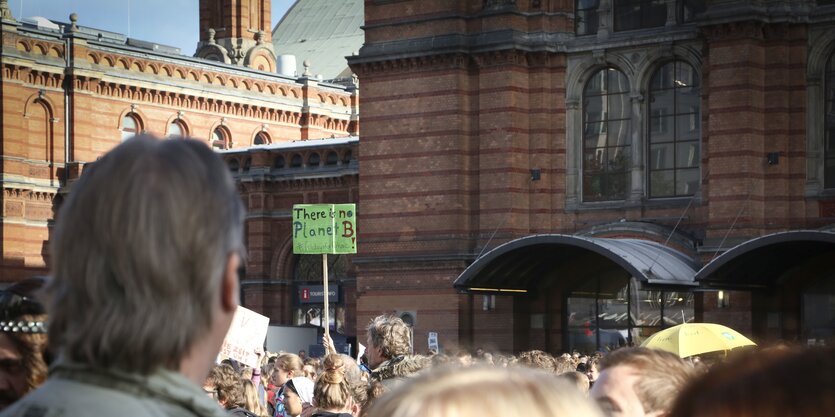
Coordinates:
column 391, row 335
column 660, row 375
column 139, row 252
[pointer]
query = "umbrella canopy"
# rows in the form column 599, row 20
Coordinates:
column 690, row 339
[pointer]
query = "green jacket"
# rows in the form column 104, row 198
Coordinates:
column 78, row 390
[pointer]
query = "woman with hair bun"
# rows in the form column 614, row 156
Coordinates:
column 333, row 393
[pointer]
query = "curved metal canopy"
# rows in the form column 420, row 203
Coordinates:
column 760, row 262
column 528, row 263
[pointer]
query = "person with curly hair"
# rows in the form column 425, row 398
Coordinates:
column 536, row 359
column 389, row 350
column 227, row 388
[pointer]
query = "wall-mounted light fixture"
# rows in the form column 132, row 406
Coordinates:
column 536, row 174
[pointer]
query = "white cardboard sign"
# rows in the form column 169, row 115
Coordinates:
column 245, row 335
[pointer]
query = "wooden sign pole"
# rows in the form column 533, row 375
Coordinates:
column 326, row 314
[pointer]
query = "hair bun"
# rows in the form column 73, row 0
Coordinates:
column 334, row 369
column 333, row 377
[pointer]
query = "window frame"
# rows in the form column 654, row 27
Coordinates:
column 181, row 125
column 604, row 175
column 224, row 141
column 675, row 141
column 127, row 133
column 644, row 8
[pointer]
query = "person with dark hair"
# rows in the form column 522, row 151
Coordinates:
column 770, row 383
column 143, row 283
column 23, row 341
column 589, row 368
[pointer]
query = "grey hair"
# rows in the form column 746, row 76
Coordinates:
column 138, row 254
column 391, row 335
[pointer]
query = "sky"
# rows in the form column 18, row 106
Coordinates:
column 168, row 22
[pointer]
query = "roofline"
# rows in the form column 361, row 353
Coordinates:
column 592, row 244
column 760, row 242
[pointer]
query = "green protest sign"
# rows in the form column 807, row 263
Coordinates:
column 324, row 228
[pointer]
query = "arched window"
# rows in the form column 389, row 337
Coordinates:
column 829, row 133
column 176, row 129
column 130, row 126
column 260, row 139
column 220, row 138
column 332, row 158
column 674, row 131
column 607, row 144
column 346, row 159
column 313, row 160
column 296, row 161
column 39, row 131
column 234, row 165
column 279, row 162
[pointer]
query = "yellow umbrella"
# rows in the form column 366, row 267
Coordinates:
column 690, row 339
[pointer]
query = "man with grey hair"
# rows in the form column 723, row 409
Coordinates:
column 389, row 353
column 144, row 286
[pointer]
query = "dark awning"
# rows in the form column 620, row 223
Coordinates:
column 760, row 262
column 533, row 262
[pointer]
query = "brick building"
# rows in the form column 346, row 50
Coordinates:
column 70, row 93
column 561, row 174
column 549, row 174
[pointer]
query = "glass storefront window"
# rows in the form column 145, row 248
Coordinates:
column 819, row 313
column 311, row 315
column 619, row 313
column 308, row 271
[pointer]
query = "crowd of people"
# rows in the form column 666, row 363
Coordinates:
column 144, row 285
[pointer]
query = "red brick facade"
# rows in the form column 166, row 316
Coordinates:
column 463, row 101
column 66, row 94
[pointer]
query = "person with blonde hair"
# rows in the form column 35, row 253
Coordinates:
column 144, row 283
column 333, row 393
column 485, row 392
column 638, row 382
column 251, row 401
column 286, row 367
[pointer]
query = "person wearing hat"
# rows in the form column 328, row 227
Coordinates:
column 23, row 353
